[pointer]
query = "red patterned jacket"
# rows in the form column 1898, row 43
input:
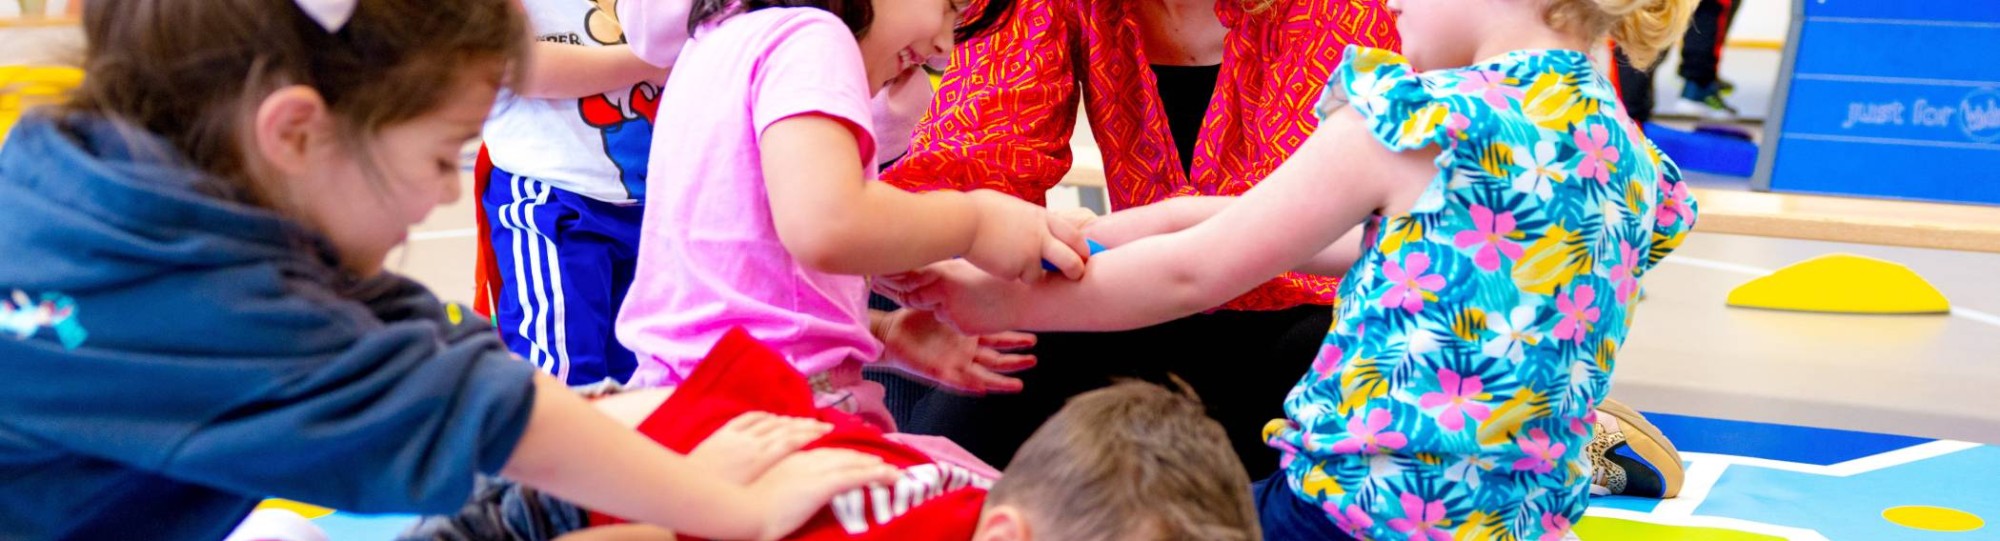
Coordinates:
column 1006, row 111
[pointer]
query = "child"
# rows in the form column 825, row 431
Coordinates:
column 568, row 154
column 762, row 210
column 208, row 220
column 1509, row 211
column 1131, row 461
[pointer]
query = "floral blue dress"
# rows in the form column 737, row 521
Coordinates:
column 1475, row 338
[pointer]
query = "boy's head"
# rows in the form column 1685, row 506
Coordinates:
column 1132, row 461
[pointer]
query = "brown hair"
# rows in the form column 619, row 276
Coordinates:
column 1131, row 461
column 191, row 71
column 1642, row 28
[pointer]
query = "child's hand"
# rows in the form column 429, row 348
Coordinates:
column 802, row 483
column 1078, row 217
column 922, row 345
column 1015, row 237
column 962, row 296
column 744, row 449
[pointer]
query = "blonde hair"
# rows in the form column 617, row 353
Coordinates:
column 1643, row 28
column 1131, row 461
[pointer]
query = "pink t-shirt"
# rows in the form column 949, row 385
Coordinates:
column 709, row 256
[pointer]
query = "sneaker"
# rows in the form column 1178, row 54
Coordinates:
column 502, row 510
column 1706, row 101
column 1630, row 457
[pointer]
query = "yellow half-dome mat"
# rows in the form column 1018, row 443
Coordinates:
column 1843, row 284
column 307, row 510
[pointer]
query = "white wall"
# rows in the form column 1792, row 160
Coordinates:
column 1762, row 20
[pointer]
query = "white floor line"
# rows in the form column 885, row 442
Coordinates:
column 1887, row 459
column 1717, row 265
column 1976, row 315
column 1700, row 477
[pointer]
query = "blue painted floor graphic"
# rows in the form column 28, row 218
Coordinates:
column 1745, row 481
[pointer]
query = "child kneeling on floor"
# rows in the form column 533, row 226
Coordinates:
column 1132, row 461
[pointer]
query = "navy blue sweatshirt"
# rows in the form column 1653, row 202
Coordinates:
column 169, row 356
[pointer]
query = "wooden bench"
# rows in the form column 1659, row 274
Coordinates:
column 1845, row 219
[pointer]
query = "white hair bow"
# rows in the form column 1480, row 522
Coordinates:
column 330, row 14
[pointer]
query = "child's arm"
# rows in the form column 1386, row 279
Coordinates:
column 556, row 71
column 1339, row 177
column 630, row 476
column 832, row 219
column 1180, row 213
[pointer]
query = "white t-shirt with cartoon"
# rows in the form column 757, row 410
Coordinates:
column 596, row 146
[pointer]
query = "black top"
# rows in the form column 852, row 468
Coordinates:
column 1185, row 91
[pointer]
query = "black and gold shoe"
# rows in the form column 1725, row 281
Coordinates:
column 1630, row 457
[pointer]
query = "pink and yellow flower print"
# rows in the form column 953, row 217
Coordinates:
column 1599, row 157
column 1461, row 399
column 1491, row 238
column 1409, row 285
column 1370, row 435
column 1578, row 313
column 1421, row 519
column 1492, row 309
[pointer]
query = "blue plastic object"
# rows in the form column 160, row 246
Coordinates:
column 1094, row 249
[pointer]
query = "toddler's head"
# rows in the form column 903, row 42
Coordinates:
column 351, row 122
column 897, row 37
column 1130, row 462
column 1448, row 33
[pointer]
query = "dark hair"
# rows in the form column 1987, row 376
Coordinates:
column 1131, row 461
column 991, row 14
column 189, row 70
column 858, row 14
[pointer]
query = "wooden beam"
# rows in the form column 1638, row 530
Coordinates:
column 1845, row 219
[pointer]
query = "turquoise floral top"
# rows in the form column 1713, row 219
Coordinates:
column 1475, row 338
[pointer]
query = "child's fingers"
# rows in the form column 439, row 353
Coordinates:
column 1077, row 217
column 844, row 469
column 1008, row 341
column 746, row 422
column 1005, row 363
column 1077, row 249
column 928, row 298
column 985, row 381
column 797, row 425
column 1062, row 256
column 794, row 437
column 906, row 281
column 786, row 427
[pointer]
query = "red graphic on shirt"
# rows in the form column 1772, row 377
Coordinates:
column 628, row 132
column 930, row 501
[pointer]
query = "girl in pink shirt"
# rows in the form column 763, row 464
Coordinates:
column 762, row 211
